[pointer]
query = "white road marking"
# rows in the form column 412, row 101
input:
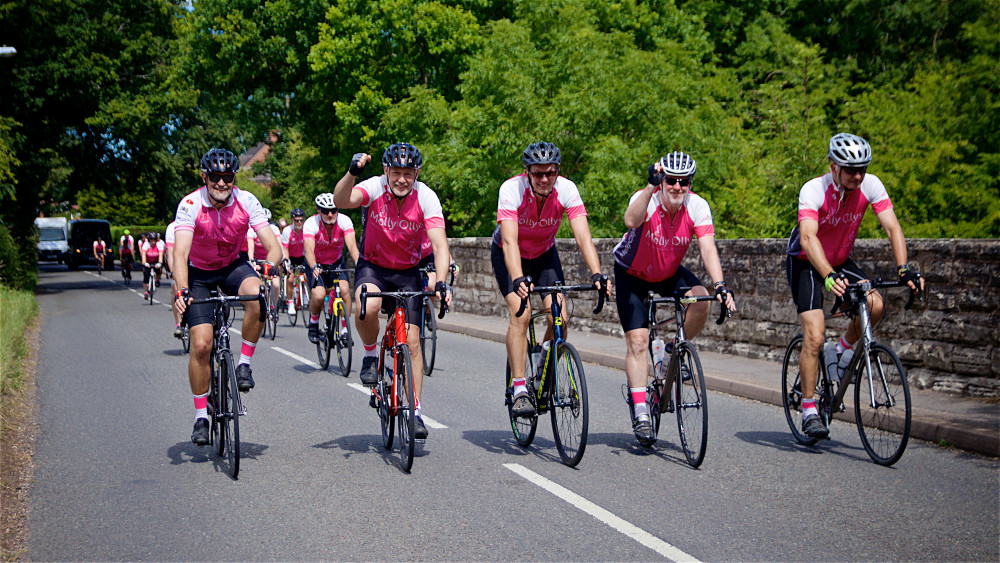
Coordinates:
column 638, row 534
column 295, row 356
column 428, row 421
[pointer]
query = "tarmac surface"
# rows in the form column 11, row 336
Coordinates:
column 968, row 423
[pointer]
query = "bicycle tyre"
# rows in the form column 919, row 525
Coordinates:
column 293, row 312
column 345, row 343
column 151, row 286
column 186, row 339
column 691, row 406
column 231, row 414
column 568, row 405
column 304, row 299
column 271, row 317
column 524, row 427
column 653, row 393
column 323, row 342
column 791, row 391
column 383, row 398
column 885, row 428
column 405, row 406
column 216, row 436
column 428, row 336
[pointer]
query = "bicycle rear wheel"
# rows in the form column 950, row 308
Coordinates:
column 691, row 405
column 405, row 411
column 293, row 312
column 383, row 402
column 882, row 405
column 304, row 304
column 791, row 390
column 568, row 403
column 428, row 335
column 323, row 343
column 229, row 413
column 523, row 427
column 344, row 341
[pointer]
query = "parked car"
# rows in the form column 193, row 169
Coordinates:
column 82, row 234
column 53, row 239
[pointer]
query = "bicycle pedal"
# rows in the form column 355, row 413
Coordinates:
column 243, row 410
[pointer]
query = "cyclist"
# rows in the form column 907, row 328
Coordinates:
column 152, row 250
column 662, row 219
column 211, row 222
column 830, row 211
column 326, row 234
column 399, row 209
column 256, row 250
column 282, row 223
column 530, row 209
column 169, row 238
column 292, row 251
column 99, row 250
column 126, row 251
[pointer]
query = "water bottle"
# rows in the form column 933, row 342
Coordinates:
column 658, row 353
column 845, row 360
column 536, row 356
column 540, row 367
column 830, row 359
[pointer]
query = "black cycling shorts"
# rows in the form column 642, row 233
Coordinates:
column 326, row 277
column 544, row 270
column 201, row 282
column 630, row 292
column 384, row 279
column 808, row 285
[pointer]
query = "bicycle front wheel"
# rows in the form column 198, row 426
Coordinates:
column 791, row 390
column 568, row 403
column 405, row 406
column 882, row 405
column 323, row 343
column 151, row 287
column 304, row 304
column 382, row 397
column 230, row 412
column 293, row 311
column 344, row 341
column 523, row 427
column 186, row 339
column 272, row 312
column 691, row 405
column 428, row 336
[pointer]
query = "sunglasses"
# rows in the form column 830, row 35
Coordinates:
column 328, row 211
column 214, row 177
column 540, row 175
column 854, row 170
column 683, row 182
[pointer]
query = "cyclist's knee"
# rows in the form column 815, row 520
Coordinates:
column 637, row 341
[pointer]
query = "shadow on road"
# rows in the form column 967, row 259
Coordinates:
column 622, row 443
column 186, row 452
column 784, row 442
column 496, row 441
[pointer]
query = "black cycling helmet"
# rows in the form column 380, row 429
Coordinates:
column 402, row 155
column 297, row 212
column 221, row 161
column 541, row 153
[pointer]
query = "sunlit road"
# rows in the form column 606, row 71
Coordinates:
column 117, row 477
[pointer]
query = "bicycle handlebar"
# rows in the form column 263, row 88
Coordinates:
column 601, row 290
column 452, row 268
column 399, row 296
column 259, row 298
column 681, row 299
column 330, row 268
column 877, row 283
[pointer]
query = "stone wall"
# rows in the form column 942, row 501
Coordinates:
column 951, row 343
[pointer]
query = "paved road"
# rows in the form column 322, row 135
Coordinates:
column 118, row 479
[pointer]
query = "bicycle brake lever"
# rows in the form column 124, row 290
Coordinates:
column 262, row 303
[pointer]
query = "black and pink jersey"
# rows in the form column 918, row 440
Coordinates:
column 153, row 251
column 392, row 235
column 839, row 213
column 654, row 250
column 219, row 234
column 329, row 242
column 536, row 231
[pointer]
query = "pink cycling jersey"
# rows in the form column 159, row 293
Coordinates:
column 654, row 250
column 392, row 235
column 536, row 231
column 839, row 214
column 169, row 236
column 259, row 252
column 329, row 241
column 292, row 240
column 153, row 251
column 99, row 246
column 218, row 232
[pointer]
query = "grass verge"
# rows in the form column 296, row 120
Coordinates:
column 19, row 310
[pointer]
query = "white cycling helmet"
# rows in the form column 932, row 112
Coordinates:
column 678, row 164
column 325, row 200
column 267, row 213
column 849, row 150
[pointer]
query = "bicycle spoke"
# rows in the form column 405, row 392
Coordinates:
column 791, row 391
column 568, row 403
column 691, row 405
column 882, row 405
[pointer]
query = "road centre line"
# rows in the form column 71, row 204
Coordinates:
column 428, row 421
column 623, row 526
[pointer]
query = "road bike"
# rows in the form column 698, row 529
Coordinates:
column 881, row 392
column 688, row 398
column 185, row 338
column 154, row 271
column 428, row 322
column 392, row 397
column 271, row 317
column 225, row 405
column 336, row 332
column 99, row 263
column 300, row 297
column 555, row 379
column 127, row 271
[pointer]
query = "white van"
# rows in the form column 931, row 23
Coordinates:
column 53, row 239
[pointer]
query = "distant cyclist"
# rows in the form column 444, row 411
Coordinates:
column 153, row 252
column 293, row 252
column 169, row 238
column 326, row 234
column 398, row 210
column 99, row 250
column 663, row 219
column 256, row 251
column 211, row 222
column 831, row 208
column 530, row 209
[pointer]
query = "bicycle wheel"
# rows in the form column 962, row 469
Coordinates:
column 186, row 339
column 151, row 287
column 691, row 405
column 215, row 406
column 882, row 405
column 653, row 393
column 231, row 414
column 428, row 335
column 323, row 342
column 791, row 390
column 304, row 304
column 523, row 427
column 344, row 341
column 568, row 403
column 293, row 312
column 405, row 406
column 382, row 401
column 272, row 314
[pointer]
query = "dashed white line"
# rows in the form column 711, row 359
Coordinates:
column 428, row 421
column 295, row 356
column 631, row 530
